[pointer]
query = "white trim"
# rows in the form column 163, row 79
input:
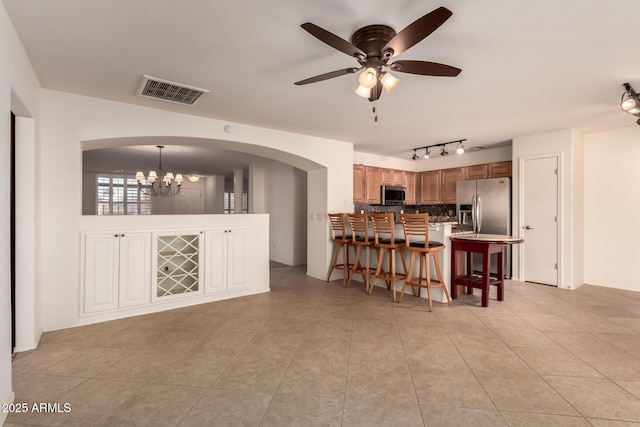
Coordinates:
column 4, row 415
column 559, row 161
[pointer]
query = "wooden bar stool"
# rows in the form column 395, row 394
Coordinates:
column 342, row 240
column 360, row 239
column 385, row 242
column 416, row 226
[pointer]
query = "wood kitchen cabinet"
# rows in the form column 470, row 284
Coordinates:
column 449, row 179
column 411, row 183
column 392, row 177
column 476, row 172
column 431, row 186
column 499, row 170
column 373, row 181
column 358, row 184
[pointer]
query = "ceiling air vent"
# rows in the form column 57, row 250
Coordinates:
column 152, row 87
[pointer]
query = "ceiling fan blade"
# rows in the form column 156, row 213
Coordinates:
column 333, row 40
column 376, row 91
column 425, row 68
column 327, row 76
column 417, row 30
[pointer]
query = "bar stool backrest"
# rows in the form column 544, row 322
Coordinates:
column 338, row 226
column 416, row 228
column 359, row 227
column 383, row 224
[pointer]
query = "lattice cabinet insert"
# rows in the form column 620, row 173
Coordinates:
column 177, row 264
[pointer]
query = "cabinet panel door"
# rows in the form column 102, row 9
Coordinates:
column 476, row 172
column 430, row 187
column 358, row 184
column 135, row 269
column 237, row 260
column 100, row 272
column 500, row 170
column 398, row 177
column 372, row 189
column 449, row 179
column 216, row 262
column 410, row 183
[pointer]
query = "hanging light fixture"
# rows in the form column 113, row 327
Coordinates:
column 443, row 149
column 159, row 187
column 388, row 81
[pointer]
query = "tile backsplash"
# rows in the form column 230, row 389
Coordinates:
column 436, row 212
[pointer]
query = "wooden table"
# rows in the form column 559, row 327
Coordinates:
column 485, row 244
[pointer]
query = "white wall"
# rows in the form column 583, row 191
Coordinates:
column 612, row 207
column 20, row 93
column 74, row 122
column 214, row 194
column 286, row 199
column 567, row 144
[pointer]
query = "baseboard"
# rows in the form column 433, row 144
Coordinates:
column 4, row 415
column 30, row 346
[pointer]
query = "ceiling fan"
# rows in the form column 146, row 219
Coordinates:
column 374, row 45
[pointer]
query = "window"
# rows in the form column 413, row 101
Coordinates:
column 229, row 203
column 119, row 195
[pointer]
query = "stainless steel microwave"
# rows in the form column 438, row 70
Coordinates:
column 391, row 195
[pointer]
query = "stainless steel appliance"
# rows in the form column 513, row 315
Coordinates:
column 391, row 195
column 484, row 206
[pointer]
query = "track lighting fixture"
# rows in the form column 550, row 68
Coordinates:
column 443, row 149
column 630, row 101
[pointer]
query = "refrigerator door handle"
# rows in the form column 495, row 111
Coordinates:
column 473, row 213
column 478, row 213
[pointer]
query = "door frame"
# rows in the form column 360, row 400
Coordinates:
column 521, row 195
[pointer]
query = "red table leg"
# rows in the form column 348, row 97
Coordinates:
column 486, row 275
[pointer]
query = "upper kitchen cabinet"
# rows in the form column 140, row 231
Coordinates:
column 358, row 184
column 476, row 172
column 392, row 177
column 431, row 185
column 411, row 183
column 449, row 179
column 499, row 170
column 488, row 170
column 373, row 180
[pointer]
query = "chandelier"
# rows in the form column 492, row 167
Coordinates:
column 157, row 187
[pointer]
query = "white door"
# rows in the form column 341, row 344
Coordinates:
column 539, row 220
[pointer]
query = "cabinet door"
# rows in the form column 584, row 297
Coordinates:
column 476, row 172
column 386, row 176
column 449, row 179
column 216, row 262
column 397, row 177
column 101, row 254
column 499, row 170
column 410, row 183
column 431, row 186
column 135, row 269
column 358, row 184
column 372, row 189
column 237, row 260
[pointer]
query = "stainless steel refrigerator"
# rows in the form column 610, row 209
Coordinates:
column 484, row 206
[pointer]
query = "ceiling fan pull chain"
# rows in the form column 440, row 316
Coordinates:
column 375, row 113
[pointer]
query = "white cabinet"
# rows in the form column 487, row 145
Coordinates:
column 227, row 263
column 116, row 270
column 176, row 264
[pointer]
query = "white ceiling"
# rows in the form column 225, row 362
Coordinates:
column 528, row 66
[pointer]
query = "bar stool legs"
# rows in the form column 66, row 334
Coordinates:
column 424, row 280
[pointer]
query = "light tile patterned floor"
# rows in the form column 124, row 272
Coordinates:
column 314, row 353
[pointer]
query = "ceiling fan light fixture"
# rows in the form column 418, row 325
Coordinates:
column 364, row 92
column 368, row 78
column 389, row 81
